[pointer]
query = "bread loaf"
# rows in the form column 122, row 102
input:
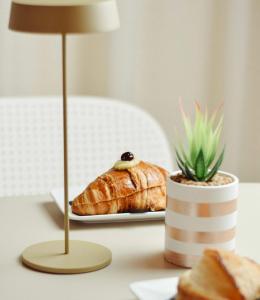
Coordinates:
column 139, row 188
column 221, row 275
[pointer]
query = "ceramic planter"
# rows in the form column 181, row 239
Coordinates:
column 199, row 217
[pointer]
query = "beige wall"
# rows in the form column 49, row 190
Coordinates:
column 204, row 49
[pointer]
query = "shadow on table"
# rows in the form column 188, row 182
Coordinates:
column 153, row 261
column 53, row 212
column 57, row 217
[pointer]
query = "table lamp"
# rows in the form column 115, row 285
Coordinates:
column 64, row 17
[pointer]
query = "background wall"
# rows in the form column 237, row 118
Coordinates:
column 204, row 49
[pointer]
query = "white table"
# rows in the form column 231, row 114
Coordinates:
column 137, row 249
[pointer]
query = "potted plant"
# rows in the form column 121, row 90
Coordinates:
column 202, row 201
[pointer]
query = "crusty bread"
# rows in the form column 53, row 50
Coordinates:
column 140, row 188
column 221, row 275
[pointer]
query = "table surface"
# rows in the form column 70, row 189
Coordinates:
column 137, row 249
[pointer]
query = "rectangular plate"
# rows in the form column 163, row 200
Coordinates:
column 58, row 193
column 156, row 289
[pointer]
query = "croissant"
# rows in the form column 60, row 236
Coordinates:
column 221, row 275
column 139, row 188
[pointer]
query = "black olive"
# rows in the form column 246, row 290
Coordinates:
column 127, row 156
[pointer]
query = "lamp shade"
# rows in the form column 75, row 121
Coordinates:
column 64, row 16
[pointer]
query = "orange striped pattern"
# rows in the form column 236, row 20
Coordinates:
column 200, row 237
column 180, row 259
column 201, row 209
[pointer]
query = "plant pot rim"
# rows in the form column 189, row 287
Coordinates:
column 212, row 187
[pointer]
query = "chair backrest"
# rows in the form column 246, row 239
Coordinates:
column 31, row 141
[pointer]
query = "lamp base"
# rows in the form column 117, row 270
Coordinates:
column 83, row 257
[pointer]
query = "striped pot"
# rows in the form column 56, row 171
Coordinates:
column 199, row 217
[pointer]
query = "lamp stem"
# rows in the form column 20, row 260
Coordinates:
column 65, row 145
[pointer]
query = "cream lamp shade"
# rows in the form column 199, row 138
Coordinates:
column 64, row 17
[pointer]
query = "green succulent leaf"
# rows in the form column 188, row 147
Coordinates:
column 200, row 168
column 182, row 168
column 215, row 169
column 193, row 153
column 179, row 158
column 189, row 174
column 184, row 155
column 211, row 150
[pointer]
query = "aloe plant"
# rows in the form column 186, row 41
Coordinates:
column 199, row 160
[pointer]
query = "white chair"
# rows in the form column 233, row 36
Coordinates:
column 100, row 130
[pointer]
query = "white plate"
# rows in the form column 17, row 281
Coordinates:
column 157, row 289
column 124, row 217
